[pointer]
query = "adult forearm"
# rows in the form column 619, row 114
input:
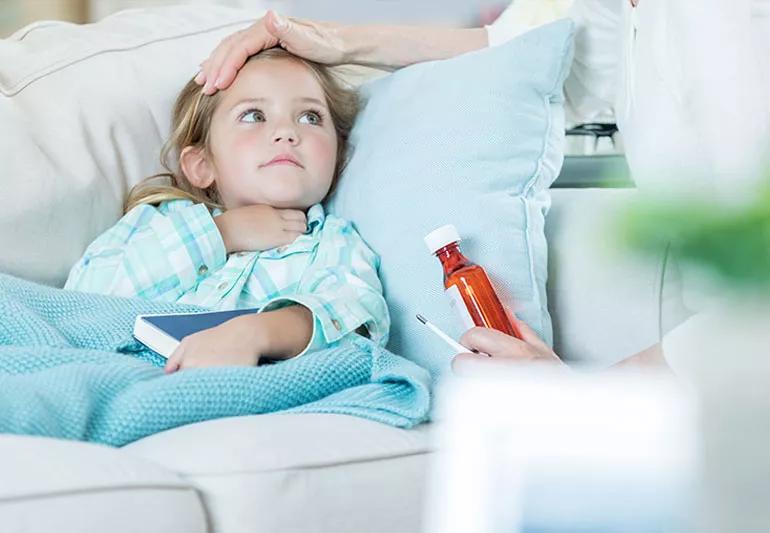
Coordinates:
column 397, row 46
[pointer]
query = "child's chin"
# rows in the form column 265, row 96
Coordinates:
column 289, row 203
column 292, row 201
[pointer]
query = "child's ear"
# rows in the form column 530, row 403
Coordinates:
column 196, row 166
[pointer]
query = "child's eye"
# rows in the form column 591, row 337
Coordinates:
column 252, row 115
column 311, row 117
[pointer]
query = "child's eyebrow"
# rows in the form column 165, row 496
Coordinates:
column 303, row 99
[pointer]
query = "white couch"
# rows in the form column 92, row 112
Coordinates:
column 70, row 97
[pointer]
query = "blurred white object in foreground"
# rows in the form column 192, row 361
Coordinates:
column 549, row 450
column 724, row 351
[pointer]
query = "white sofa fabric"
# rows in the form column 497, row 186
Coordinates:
column 56, row 485
column 268, row 473
column 83, row 113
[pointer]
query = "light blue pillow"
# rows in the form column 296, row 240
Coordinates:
column 473, row 141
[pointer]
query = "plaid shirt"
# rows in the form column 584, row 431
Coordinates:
column 175, row 253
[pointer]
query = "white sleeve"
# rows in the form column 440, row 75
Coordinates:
column 591, row 85
column 722, row 87
column 590, row 88
column 515, row 20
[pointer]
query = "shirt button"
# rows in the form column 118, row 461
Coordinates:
column 222, row 286
column 202, row 270
column 336, row 325
column 240, row 254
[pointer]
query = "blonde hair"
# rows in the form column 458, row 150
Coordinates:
column 191, row 126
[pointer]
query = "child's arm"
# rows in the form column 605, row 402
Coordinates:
column 339, row 293
column 152, row 253
column 286, row 331
column 341, row 289
column 279, row 334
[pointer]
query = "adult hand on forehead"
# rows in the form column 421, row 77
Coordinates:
column 333, row 44
column 316, row 41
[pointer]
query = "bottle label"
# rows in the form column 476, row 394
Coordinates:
column 457, row 303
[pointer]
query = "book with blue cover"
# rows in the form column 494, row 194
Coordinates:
column 162, row 333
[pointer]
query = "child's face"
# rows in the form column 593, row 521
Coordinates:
column 272, row 138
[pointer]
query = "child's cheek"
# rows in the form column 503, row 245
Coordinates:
column 248, row 149
column 323, row 152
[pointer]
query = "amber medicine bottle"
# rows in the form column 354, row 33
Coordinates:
column 467, row 285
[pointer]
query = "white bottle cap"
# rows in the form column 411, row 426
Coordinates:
column 440, row 237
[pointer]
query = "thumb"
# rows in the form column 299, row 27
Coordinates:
column 527, row 334
column 277, row 25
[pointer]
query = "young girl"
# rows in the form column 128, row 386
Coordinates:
column 241, row 225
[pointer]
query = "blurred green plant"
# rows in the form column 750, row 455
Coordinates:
column 731, row 242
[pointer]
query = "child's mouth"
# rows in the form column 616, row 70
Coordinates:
column 283, row 160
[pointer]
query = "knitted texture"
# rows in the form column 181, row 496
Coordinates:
column 69, row 368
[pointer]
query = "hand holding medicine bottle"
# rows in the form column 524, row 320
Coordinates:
column 467, row 285
column 507, row 350
column 504, row 348
column 492, row 328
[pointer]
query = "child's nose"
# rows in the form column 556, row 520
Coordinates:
column 285, row 134
column 288, row 138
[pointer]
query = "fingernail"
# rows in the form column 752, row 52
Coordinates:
column 218, row 83
column 200, row 77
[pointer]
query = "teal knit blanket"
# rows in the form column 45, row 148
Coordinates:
column 70, row 368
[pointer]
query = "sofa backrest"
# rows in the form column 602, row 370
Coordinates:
column 604, row 301
column 84, row 111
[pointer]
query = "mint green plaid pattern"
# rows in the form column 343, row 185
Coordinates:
column 175, row 253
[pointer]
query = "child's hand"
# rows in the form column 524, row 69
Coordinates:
column 254, row 228
column 237, row 342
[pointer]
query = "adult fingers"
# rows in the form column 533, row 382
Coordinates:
column 282, row 28
column 237, row 49
column 213, row 64
column 495, row 343
column 243, row 47
column 531, row 337
column 200, row 78
column 527, row 333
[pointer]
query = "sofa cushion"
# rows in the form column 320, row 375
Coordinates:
column 55, row 485
column 473, row 141
column 298, row 472
column 85, row 110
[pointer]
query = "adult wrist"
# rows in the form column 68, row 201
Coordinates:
column 351, row 47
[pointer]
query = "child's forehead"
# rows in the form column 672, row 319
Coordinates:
column 275, row 79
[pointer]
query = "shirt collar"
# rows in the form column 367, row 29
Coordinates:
column 315, row 218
